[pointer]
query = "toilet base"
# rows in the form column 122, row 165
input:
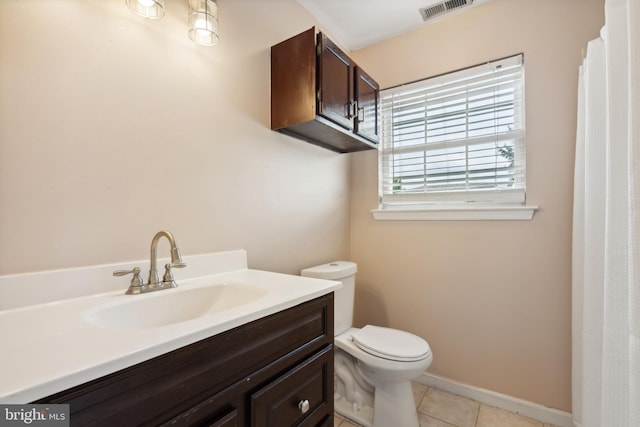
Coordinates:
column 394, row 406
column 362, row 415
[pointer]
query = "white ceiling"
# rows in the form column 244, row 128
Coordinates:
column 359, row 23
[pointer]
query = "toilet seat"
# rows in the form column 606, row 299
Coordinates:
column 391, row 344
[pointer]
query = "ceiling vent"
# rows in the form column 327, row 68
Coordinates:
column 442, row 8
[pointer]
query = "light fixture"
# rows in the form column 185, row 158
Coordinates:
column 203, row 22
column 152, row 9
column 202, row 18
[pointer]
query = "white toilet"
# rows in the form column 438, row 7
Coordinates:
column 374, row 365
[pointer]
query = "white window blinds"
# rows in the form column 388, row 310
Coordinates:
column 456, row 137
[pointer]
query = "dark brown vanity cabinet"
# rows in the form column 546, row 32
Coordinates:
column 273, row 372
column 320, row 95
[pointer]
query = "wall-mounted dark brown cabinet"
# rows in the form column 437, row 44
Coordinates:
column 273, row 372
column 320, row 95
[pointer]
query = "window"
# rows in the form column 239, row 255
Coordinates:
column 455, row 141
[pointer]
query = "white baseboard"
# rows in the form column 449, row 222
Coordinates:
column 498, row 400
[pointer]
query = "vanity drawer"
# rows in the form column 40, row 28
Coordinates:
column 300, row 397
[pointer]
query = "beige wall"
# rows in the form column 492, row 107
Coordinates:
column 113, row 127
column 492, row 298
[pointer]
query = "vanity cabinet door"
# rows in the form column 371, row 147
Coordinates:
column 302, row 396
column 225, row 409
column 230, row 420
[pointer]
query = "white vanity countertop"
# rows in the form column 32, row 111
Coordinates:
column 50, row 346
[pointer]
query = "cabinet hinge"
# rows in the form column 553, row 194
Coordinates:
column 319, row 99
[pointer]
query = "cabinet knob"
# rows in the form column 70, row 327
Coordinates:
column 303, row 406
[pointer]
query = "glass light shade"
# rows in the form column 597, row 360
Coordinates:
column 152, row 9
column 203, row 22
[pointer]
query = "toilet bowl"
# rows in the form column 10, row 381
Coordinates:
column 374, row 365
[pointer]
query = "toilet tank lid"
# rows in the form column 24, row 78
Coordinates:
column 331, row 271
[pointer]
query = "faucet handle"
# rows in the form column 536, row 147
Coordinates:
column 136, row 281
column 167, row 278
column 125, row 272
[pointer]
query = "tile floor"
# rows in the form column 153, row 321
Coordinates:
column 437, row 408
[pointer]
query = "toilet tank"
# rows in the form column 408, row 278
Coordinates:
column 345, row 272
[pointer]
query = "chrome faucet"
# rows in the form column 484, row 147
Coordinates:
column 137, row 286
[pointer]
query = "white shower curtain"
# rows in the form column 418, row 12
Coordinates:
column 606, row 229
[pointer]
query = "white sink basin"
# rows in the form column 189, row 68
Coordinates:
column 166, row 307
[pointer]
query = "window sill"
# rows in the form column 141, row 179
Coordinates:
column 454, row 213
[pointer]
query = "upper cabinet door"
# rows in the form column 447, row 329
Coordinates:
column 367, row 93
column 335, row 83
